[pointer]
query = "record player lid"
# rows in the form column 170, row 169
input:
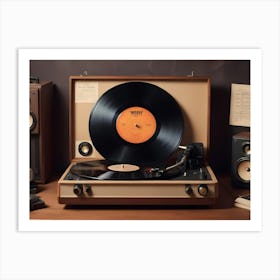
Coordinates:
column 191, row 93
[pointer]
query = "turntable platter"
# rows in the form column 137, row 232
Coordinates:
column 107, row 170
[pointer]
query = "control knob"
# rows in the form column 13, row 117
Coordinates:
column 203, row 189
column 78, row 190
column 188, row 190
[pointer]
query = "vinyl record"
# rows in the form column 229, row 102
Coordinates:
column 136, row 122
column 106, row 170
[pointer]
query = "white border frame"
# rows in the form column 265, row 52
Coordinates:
column 24, row 57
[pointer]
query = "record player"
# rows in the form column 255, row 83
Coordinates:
column 138, row 140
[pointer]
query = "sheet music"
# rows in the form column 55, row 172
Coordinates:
column 240, row 105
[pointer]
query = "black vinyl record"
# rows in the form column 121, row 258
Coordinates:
column 136, row 122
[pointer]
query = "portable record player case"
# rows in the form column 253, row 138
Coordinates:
column 193, row 96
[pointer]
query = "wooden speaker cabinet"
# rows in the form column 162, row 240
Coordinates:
column 40, row 125
column 241, row 152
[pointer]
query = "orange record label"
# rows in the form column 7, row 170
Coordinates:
column 136, row 125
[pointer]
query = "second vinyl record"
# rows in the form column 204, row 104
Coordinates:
column 136, row 122
column 106, row 170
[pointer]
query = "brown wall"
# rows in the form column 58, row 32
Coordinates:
column 222, row 73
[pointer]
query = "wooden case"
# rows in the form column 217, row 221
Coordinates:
column 193, row 96
column 41, row 156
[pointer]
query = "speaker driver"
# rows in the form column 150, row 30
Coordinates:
column 244, row 170
column 32, row 121
column 85, row 149
column 246, row 149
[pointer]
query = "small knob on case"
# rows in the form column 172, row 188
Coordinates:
column 188, row 189
column 78, row 189
column 203, row 190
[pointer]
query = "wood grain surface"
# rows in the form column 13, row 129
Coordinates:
column 223, row 210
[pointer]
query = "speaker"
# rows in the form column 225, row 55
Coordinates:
column 40, row 126
column 240, row 167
